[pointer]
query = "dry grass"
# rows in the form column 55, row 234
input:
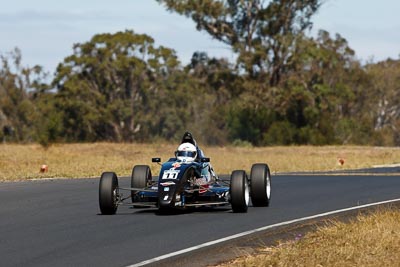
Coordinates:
column 372, row 240
column 20, row 162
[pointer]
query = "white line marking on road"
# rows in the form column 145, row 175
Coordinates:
column 207, row 244
column 386, row 165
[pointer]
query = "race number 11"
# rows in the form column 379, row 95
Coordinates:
column 170, row 174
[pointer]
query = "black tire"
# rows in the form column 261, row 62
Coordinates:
column 260, row 181
column 108, row 193
column 239, row 191
column 141, row 176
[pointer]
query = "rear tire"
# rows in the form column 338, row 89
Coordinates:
column 260, row 180
column 108, row 193
column 140, row 178
column 239, row 191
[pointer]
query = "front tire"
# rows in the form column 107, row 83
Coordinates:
column 260, row 179
column 141, row 176
column 108, row 193
column 239, row 191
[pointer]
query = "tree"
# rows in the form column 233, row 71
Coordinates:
column 107, row 88
column 382, row 101
column 215, row 85
column 263, row 33
column 324, row 83
column 267, row 36
column 18, row 88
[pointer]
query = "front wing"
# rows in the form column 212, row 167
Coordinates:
column 210, row 195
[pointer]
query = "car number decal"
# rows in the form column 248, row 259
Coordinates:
column 170, row 174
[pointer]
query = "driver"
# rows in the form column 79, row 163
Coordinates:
column 188, row 138
column 188, row 151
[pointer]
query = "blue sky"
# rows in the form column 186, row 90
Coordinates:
column 45, row 30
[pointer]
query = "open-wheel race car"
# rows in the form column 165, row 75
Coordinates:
column 181, row 185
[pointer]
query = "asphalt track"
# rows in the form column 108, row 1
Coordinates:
column 57, row 222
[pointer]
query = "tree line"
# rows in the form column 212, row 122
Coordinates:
column 285, row 87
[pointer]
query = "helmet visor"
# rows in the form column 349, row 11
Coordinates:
column 190, row 154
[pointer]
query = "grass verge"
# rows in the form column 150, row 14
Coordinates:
column 368, row 240
column 21, row 162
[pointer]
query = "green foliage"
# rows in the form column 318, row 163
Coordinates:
column 112, row 85
column 280, row 133
column 247, row 124
column 384, row 100
column 18, row 89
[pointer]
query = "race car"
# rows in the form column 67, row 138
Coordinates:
column 181, row 185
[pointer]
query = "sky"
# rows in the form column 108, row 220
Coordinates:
column 45, row 30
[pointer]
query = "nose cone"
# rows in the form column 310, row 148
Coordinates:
column 166, row 195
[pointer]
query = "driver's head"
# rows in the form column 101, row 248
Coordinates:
column 186, row 152
column 188, row 138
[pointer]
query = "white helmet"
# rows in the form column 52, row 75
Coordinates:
column 186, row 152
